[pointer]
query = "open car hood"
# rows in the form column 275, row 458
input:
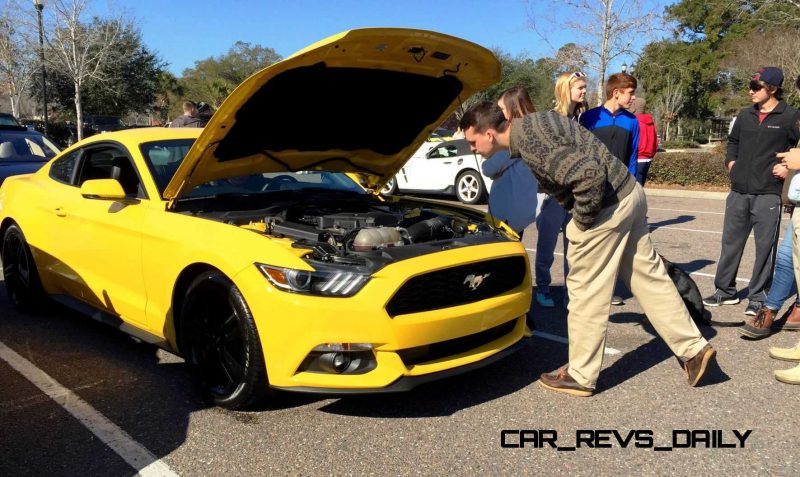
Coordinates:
column 361, row 101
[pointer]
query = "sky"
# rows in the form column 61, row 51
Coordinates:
column 183, row 31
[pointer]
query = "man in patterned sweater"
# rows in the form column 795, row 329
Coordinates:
column 608, row 238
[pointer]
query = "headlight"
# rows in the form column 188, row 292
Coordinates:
column 322, row 281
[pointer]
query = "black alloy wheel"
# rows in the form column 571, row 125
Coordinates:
column 220, row 343
column 19, row 270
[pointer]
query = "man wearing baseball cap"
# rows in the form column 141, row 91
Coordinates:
column 767, row 127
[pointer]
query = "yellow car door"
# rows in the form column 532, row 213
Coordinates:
column 102, row 239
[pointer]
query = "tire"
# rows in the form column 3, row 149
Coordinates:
column 470, row 189
column 390, row 188
column 19, row 271
column 219, row 340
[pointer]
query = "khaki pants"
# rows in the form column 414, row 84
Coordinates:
column 618, row 246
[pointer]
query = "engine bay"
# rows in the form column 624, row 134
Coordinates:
column 364, row 231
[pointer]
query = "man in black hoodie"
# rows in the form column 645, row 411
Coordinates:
column 767, row 127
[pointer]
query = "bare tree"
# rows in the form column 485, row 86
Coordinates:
column 603, row 30
column 668, row 104
column 17, row 62
column 79, row 48
column 745, row 56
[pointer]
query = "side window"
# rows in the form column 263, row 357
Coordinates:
column 443, row 151
column 63, row 167
column 110, row 163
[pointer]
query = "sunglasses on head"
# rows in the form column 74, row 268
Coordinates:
column 577, row 74
column 755, row 86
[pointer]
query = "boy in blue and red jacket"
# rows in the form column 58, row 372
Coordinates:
column 613, row 124
column 616, row 127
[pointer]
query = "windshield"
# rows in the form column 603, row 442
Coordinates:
column 164, row 157
column 8, row 120
column 278, row 181
column 22, row 146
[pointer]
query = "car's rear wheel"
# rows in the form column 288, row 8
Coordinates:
column 220, row 343
column 469, row 188
column 390, row 188
column 19, row 270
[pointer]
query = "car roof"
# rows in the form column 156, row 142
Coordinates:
column 141, row 135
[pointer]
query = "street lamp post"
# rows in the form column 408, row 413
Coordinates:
column 624, row 67
column 39, row 7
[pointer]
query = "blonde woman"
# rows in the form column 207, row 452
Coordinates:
column 570, row 92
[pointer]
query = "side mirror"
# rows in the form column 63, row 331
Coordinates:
column 103, row 189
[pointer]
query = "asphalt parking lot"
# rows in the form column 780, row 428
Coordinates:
column 106, row 405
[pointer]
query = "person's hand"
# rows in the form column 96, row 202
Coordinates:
column 730, row 165
column 780, row 171
column 790, row 159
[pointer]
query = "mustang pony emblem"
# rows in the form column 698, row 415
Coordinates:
column 475, row 281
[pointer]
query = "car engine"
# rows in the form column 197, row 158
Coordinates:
column 365, row 231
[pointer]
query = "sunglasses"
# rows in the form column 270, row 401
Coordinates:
column 577, row 74
column 755, row 86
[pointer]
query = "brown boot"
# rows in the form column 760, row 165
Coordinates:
column 793, row 321
column 759, row 325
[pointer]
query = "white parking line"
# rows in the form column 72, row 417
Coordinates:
column 687, row 211
column 145, row 463
column 715, row 232
column 561, row 339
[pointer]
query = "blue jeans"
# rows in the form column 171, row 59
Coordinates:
column 551, row 220
column 641, row 172
column 783, row 283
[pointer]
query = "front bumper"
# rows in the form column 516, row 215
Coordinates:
column 408, row 383
column 291, row 325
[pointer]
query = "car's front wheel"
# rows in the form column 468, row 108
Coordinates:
column 220, row 343
column 390, row 188
column 470, row 188
column 19, row 271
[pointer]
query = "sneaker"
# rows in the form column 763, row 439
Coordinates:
column 718, row 299
column 759, row 326
column 561, row 381
column 696, row 367
column 617, row 300
column 788, row 376
column 753, row 307
column 544, row 299
column 785, row 354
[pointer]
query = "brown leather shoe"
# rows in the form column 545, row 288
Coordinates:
column 793, row 321
column 696, row 366
column 759, row 325
column 562, row 382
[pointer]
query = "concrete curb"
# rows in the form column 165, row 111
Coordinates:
column 689, row 194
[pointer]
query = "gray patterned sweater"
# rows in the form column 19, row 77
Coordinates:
column 571, row 164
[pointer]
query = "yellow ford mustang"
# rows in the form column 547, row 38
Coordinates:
column 256, row 247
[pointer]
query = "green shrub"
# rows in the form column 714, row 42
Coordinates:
column 688, row 168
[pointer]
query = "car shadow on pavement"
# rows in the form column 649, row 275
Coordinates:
column 130, row 383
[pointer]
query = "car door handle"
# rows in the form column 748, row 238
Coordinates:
column 448, row 162
column 61, row 212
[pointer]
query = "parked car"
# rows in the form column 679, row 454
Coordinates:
column 249, row 248
column 8, row 120
column 446, row 167
column 100, row 124
column 23, row 151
